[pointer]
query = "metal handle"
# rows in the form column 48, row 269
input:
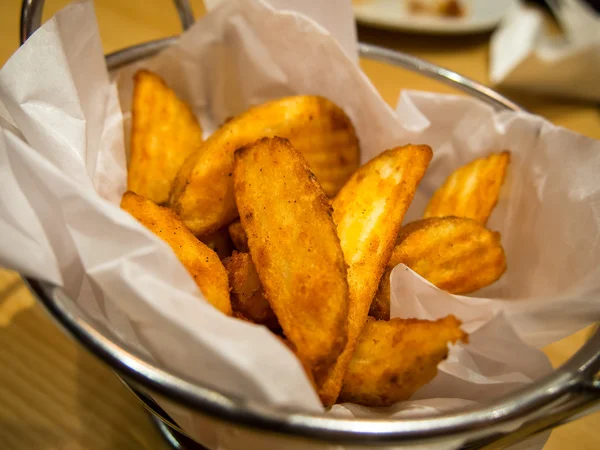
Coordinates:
column 31, row 16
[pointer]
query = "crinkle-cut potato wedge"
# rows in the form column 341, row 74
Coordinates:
column 247, row 296
column 164, row 133
column 201, row 262
column 295, row 248
column 368, row 212
column 472, row 190
column 219, row 241
column 202, row 193
column 455, row 254
column 394, row 358
column 238, row 236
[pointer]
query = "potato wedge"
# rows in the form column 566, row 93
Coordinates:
column 455, row 254
column 393, row 359
column 472, row 190
column 202, row 193
column 201, row 262
column 247, row 295
column 164, row 133
column 294, row 247
column 238, row 236
column 368, row 212
column 219, row 241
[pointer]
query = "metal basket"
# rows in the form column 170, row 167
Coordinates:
column 570, row 391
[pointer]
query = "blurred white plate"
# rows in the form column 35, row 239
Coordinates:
column 482, row 15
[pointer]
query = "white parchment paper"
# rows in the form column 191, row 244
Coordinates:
column 62, row 159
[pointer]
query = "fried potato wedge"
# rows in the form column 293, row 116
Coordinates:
column 201, row 262
column 294, row 247
column 247, row 295
column 202, row 193
column 394, row 358
column 164, row 133
column 238, row 236
column 368, row 212
column 472, row 190
column 455, row 254
column 219, row 241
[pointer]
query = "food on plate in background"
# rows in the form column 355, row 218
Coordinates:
column 202, row 193
column 394, row 358
column 439, row 8
column 368, row 212
column 164, row 132
column 295, row 248
column 201, row 262
column 471, row 190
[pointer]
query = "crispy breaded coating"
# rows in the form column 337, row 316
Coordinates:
column 238, row 236
column 472, row 190
column 295, row 248
column 368, row 212
column 247, row 295
column 164, row 133
column 202, row 193
column 201, row 262
column 394, row 358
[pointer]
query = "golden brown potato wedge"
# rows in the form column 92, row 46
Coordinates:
column 472, row 190
column 394, row 358
column 247, row 295
column 238, row 236
column 368, row 212
column 164, row 133
column 200, row 261
column 219, row 241
column 294, row 247
column 202, row 193
column 456, row 254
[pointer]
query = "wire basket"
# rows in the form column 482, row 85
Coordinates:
column 570, row 391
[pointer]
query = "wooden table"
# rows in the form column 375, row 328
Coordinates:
column 54, row 395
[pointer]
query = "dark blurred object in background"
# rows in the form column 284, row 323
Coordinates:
column 593, row 3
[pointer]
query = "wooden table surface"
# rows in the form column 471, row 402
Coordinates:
column 54, row 395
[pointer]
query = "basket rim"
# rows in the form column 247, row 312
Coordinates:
column 568, row 390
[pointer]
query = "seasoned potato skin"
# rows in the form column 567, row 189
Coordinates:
column 394, row 358
column 238, row 236
column 368, row 212
column 164, row 133
column 202, row 193
column 295, row 249
column 472, row 190
column 456, row 254
column 247, row 295
column 201, row 262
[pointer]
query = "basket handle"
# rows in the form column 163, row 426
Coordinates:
column 31, row 16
